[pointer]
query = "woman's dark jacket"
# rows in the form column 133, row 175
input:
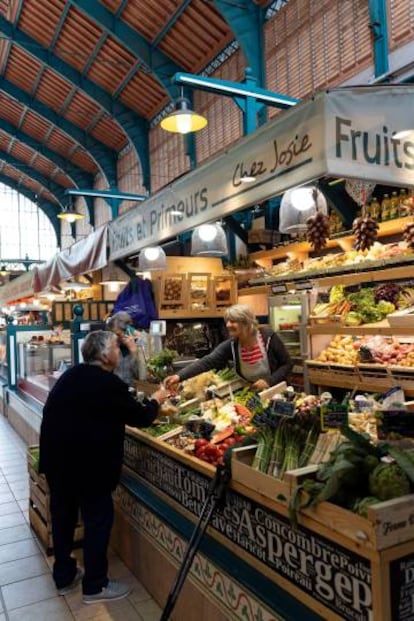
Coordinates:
column 228, row 352
column 83, row 428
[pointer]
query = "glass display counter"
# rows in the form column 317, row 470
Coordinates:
column 37, row 357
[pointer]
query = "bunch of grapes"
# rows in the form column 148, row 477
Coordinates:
column 317, row 232
column 365, row 230
column 408, row 234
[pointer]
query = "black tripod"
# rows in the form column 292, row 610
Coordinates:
column 215, row 495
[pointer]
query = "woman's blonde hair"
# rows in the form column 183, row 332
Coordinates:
column 241, row 313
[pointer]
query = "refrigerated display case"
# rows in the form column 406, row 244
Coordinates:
column 288, row 316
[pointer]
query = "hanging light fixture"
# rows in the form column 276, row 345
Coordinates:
column 209, row 240
column 75, row 285
column 69, row 213
column 297, row 205
column 183, row 120
column 151, row 259
column 111, row 278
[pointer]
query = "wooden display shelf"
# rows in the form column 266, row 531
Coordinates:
column 364, row 563
column 39, row 507
column 256, row 290
column 380, row 327
column 206, row 313
column 391, row 227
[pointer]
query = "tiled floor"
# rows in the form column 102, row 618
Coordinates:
column 27, row 591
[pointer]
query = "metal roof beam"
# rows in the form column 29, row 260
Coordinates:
column 378, row 25
column 156, row 61
column 79, row 176
column 246, row 21
column 46, row 182
column 104, row 157
column 135, row 127
column 48, row 208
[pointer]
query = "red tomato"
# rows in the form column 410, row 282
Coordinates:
column 200, row 443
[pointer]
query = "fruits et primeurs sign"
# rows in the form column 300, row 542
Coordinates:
column 346, row 132
column 337, row 578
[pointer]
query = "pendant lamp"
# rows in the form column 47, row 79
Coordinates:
column 152, row 259
column 183, row 120
column 111, row 278
column 209, row 240
column 70, row 214
column 298, row 204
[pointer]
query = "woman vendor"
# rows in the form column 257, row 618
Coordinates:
column 257, row 354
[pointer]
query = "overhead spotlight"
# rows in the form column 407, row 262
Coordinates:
column 209, row 240
column 69, row 213
column 152, row 259
column 111, row 279
column 183, row 120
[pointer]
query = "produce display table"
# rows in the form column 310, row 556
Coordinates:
column 253, row 564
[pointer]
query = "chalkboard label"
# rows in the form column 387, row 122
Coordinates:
column 283, row 408
column 279, row 289
column 303, row 285
column 333, row 416
column 402, row 588
column 395, row 422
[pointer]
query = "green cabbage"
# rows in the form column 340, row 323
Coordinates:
column 388, row 481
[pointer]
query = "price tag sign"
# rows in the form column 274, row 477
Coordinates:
column 333, row 416
column 279, row 289
column 303, row 285
column 395, row 422
column 283, row 408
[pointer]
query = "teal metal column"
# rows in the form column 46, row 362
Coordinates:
column 378, row 25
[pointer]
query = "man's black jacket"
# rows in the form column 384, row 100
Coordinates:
column 83, row 428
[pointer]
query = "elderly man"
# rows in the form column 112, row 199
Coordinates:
column 81, row 452
column 128, row 367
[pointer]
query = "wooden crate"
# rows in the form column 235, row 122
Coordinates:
column 374, row 532
column 199, row 291
column 279, row 490
column 224, row 291
column 324, row 374
column 39, row 507
column 173, row 291
column 376, row 376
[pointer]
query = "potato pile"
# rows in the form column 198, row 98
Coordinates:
column 341, row 350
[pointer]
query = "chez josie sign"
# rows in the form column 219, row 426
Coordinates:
column 347, row 133
column 278, row 155
column 337, row 578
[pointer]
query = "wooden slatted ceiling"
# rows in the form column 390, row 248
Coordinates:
column 168, row 159
column 310, row 46
column 401, row 22
column 39, row 129
column 224, row 117
column 197, row 36
column 77, row 39
column 9, row 9
column 27, row 182
column 144, row 95
column 42, row 17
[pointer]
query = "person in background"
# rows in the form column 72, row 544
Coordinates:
column 257, row 354
column 128, row 369
column 81, row 454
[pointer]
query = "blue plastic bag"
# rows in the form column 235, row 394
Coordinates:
column 137, row 299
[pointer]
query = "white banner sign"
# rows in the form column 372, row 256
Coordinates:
column 285, row 152
column 345, row 132
column 361, row 129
